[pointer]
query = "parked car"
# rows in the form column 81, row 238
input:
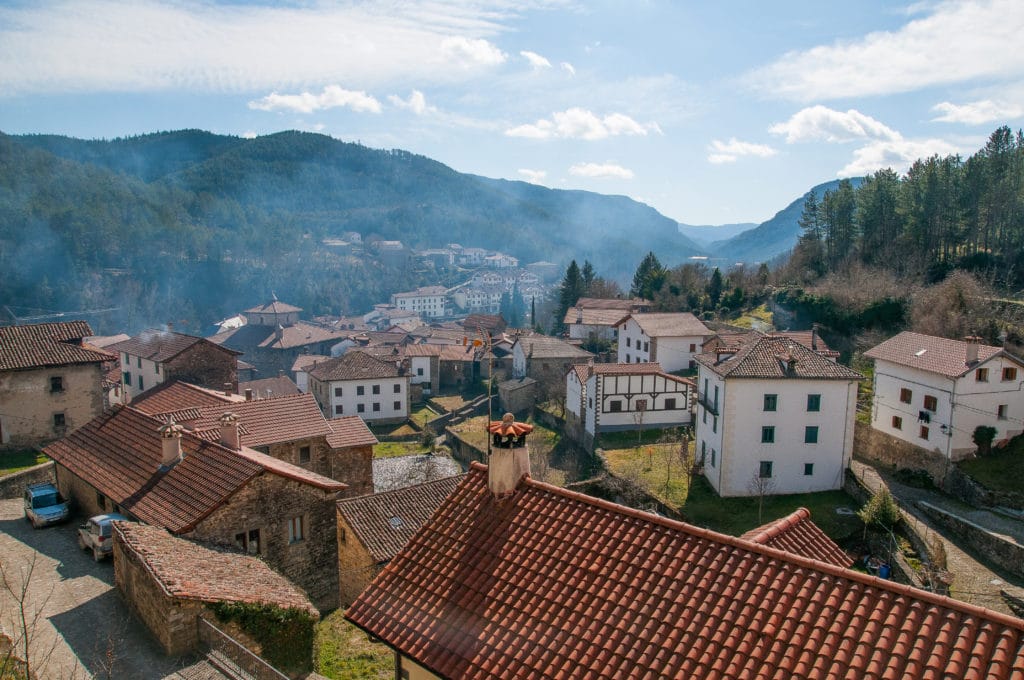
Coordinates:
column 97, row 534
column 44, row 505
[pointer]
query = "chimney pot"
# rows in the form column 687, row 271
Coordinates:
column 971, row 351
column 510, row 457
column 227, row 389
column 229, row 434
column 248, row 394
column 170, row 440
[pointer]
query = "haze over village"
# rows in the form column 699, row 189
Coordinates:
column 531, row 340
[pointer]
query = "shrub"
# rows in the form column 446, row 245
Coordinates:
column 983, row 436
column 880, row 511
column 285, row 636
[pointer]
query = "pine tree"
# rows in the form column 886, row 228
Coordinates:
column 715, row 286
column 570, row 291
column 649, row 278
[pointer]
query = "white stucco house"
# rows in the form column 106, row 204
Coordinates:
column 428, row 301
column 774, row 415
column 672, row 339
column 934, row 392
column 358, row 384
column 625, row 397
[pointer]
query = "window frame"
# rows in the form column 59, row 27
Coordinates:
column 1009, row 373
column 767, row 434
column 813, row 403
column 981, row 374
column 297, row 529
column 906, row 395
column 770, row 403
column 810, row 434
column 56, row 384
column 931, row 403
column 897, row 423
column 764, row 469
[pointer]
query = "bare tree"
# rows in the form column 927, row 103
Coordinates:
column 26, row 620
column 760, row 486
column 541, row 448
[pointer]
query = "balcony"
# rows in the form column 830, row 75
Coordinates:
column 710, row 406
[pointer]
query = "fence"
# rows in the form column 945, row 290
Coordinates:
column 235, row 653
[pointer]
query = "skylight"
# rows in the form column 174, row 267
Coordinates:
column 920, row 352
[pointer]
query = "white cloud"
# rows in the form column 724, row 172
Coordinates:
column 473, row 51
column 332, row 97
column 897, row 154
column 729, row 152
column 955, row 42
column 566, row 66
column 976, row 113
column 601, row 170
column 822, row 123
column 535, row 59
column 533, row 176
column 577, row 123
column 417, row 103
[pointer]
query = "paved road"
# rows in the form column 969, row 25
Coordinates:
column 974, row 581
column 83, row 628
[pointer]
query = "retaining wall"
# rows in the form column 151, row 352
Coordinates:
column 1000, row 551
column 13, row 485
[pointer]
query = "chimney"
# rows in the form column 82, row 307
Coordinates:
column 971, row 352
column 227, row 389
column 229, row 435
column 510, row 458
column 248, row 394
column 279, row 332
column 579, row 315
column 814, row 337
column 170, row 440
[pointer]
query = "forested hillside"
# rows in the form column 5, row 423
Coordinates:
column 192, row 226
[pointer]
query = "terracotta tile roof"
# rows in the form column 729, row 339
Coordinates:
column 677, row 325
column 425, row 291
column 349, row 431
column 298, row 335
column 443, row 352
column 764, row 356
column 278, row 386
column 354, row 365
column 627, row 304
column 225, row 576
column 174, row 396
column 593, row 316
column 733, row 339
column 305, row 360
column 159, row 346
column 935, row 355
column 384, row 522
column 548, row 583
column 491, row 323
column 435, row 335
column 47, row 344
column 266, row 421
column 275, row 306
column 546, row 347
column 796, row 533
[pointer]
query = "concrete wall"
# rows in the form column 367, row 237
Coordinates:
column 13, row 485
column 350, row 401
column 27, row 404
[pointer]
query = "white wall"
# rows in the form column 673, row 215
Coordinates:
column 631, row 344
column 674, row 353
column 350, row 399
column 574, row 394
column 628, row 390
column 150, row 372
column 417, row 364
column 708, row 426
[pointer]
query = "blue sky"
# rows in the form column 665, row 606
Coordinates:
column 711, row 112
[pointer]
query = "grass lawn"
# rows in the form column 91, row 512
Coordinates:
column 343, row 652
column 758, row 317
column 421, row 415
column 474, row 431
column 452, row 403
column 394, row 449
column 1001, row 470
column 15, row 461
column 611, row 441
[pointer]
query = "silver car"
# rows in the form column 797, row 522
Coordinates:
column 97, row 534
column 44, row 505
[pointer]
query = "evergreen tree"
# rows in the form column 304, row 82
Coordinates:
column 570, row 291
column 715, row 287
column 649, row 278
column 588, row 275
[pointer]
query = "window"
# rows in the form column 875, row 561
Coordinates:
column 808, row 469
column 704, row 415
column 811, row 434
column 906, row 396
column 339, row 409
column 768, row 435
column 101, row 501
column 1009, row 373
column 1001, row 411
column 376, row 389
column 140, row 383
column 693, row 347
column 59, row 421
column 981, row 375
column 303, row 454
column 814, row 402
column 249, row 541
column 897, row 423
column 771, row 401
column 924, row 432
column 156, row 368
column 338, row 391
column 647, row 346
column 360, row 408
column 296, row 529
column 398, row 388
column 138, row 361
column 56, row 384
column 628, row 359
column 127, row 359
column 628, row 341
column 670, row 404
column 376, row 406
column 127, row 378
column 930, row 403
column 764, row 471
column 615, row 406
column 419, row 371
column 360, row 390
column 641, row 404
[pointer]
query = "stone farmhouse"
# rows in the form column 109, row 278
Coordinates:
column 290, row 428
column 624, row 397
column 373, row 529
column 671, row 340
column 50, row 381
column 358, row 383
column 598, row 318
column 221, row 492
column 155, row 356
column 774, row 416
column 546, row 360
column 530, row 580
column 934, row 392
column 438, row 367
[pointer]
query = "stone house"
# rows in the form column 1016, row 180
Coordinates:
column 597, row 318
column 290, row 428
column 522, row 579
column 157, row 574
column 672, row 340
column 359, row 383
column 372, row 529
column 440, row 367
column 935, row 392
column 546, row 360
column 156, row 356
column 220, row 492
column 50, row 382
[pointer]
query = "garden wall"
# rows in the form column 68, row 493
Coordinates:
column 967, row 489
column 996, row 549
column 13, row 485
column 896, row 454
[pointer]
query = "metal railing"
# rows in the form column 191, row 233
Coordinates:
column 246, row 661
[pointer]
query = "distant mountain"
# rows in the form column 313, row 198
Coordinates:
column 704, row 235
column 772, row 238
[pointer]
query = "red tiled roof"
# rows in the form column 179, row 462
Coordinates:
column 349, row 431
column 299, row 334
column 593, row 316
column 174, row 396
column 669, row 325
column 627, row 304
column 763, row 356
column 548, row 583
column 267, row 421
column 305, row 360
column 224, row 576
column 796, row 533
column 157, row 345
column 384, row 522
column 278, row 386
column 443, row 352
column 545, row 347
column 354, row 365
column 273, row 307
column 929, row 353
column 47, row 344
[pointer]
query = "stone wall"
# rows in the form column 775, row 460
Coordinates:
column 172, row 622
column 516, row 396
column 356, row 567
column 204, row 363
column 896, row 454
column 85, row 499
column 13, row 485
column 27, row 404
column 967, row 489
column 463, row 451
column 267, row 503
column 997, row 550
column 354, row 466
